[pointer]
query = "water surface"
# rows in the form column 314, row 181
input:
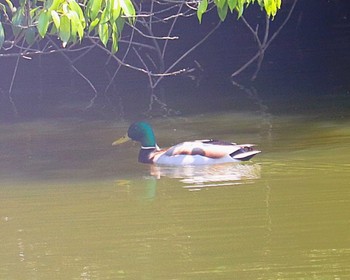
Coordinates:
column 74, row 207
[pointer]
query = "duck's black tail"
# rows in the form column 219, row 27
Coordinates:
column 245, row 153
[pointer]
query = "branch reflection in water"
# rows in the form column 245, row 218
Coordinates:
column 207, row 176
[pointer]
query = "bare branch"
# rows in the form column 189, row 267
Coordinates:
column 138, row 68
column 264, row 44
column 71, row 63
column 190, row 50
column 152, row 36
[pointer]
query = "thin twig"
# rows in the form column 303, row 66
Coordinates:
column 152, row 36
column 188, row 52
column 141, row 69
column 283, row 23
column 81, row 75
column 171, row 30
column 262, row 49
column 14, row 108
column 123, row 59
column 264, row 44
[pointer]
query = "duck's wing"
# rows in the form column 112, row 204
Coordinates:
column 207, row 148
column 202, row 152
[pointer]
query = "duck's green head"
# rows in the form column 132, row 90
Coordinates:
column 141, row 132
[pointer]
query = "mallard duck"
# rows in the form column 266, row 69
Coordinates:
column 196, row 152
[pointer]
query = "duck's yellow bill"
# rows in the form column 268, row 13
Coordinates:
column 122, row 140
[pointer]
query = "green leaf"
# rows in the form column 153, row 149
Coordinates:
column 220, row 3
column 3, row 8
column 222, row 12
column 95, row 8
column 114, row 38
column 232, row 4
column 9, row 3
column 64, row 30
column 54, row 4
column 80, row 30
column 74, row 22
column 93, row 24
column 106, row 14
column 2, row 35
column 74, row 6
column 65, row 8
column 32, row 12
column 53, row 30
column 115, row 12
column 103, row 32
column 120, row 24
column 128, row 9
column 48, row 4
column 43, row 23
column 76, row 25
column 18, row 17
column 17, row 21
column 115, row 46
column 240, row 9
column 56, row 19
column 202, row 8
column 30, row 35
column 271, row 7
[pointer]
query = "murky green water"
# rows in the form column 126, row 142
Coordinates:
column 74, row 207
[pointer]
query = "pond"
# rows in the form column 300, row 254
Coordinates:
column 74, row 207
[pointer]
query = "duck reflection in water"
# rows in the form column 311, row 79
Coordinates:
column 206, row 176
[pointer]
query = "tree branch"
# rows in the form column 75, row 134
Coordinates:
column 263, row 45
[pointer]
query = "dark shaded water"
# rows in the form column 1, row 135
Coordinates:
column 74, row 207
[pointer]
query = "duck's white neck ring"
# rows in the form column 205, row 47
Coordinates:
column 148, row 148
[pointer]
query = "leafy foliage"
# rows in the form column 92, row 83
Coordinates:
column 270, row 6
column 72, row 20
column 2, row 35
column 69, row 20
